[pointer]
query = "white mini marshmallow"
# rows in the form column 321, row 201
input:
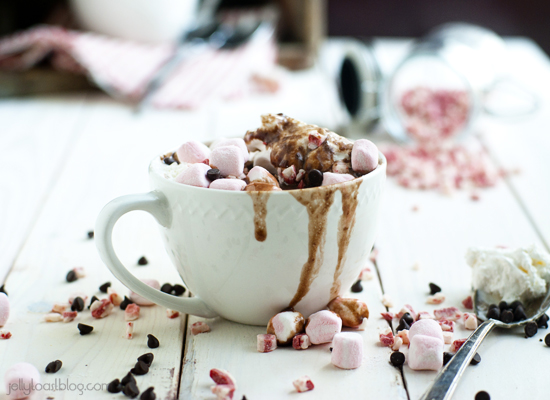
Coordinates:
column 194, row 175
column 228, row 184
column 364, row 156
column 322, row 326
column 193, row 152
column 229, row 160
column 426, row 327
column 20, row 380
column 285, row 325
column 223, row 142
column 140, row 300
column 347, row 350
column 330, row 178
column 425, row 353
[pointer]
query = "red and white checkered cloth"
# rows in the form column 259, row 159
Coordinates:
column 123, row 68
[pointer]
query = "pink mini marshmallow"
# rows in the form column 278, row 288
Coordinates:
column 194, row 175
column 129, row 330
column 285, row 325
column 199, row 327
column 301, row 341
column 193, row 152
column 347, row 350
column 426, row 327
column 101, row 308
column 229, row 160
column 4, row 309
column 69, row 316
column 448, row 337
column 20, row 380
column 140, row 300
column 223, row 392
column 132, row 312
column 330, row 178
column 351, row 311
column 322, row 326
column 266, row 343
column 228, row 184
column 364, row 156
column 232, row 142
column 303, row 384
column 425, row 353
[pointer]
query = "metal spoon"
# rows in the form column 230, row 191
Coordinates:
column 446, row 381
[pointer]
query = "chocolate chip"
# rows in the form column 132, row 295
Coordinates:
column 166, row 288
column 77, row 304
column 244, row 398
column 507, row 316
column 397, row 358
column 503, row 306
column 531, row 329
column 402, row 325
column 330, row 348
column 114, row 387
column 129, row 378
column 314, row 178
column 519, row 313
column 169, row 160
column 53, row 367
column 149, row 394
column 140, row 368
column 483, row 395
column 94, row 298
column 357, row 287
column 85, row 329
column 178, row 290
column 103, row 288
column 447, row 357
column 494, row 313
column 213, row 174
column 407, row 317
column 125, row 303
column 152, row 342
column 3, row 290
column 493, row 306
column 476, row 359
column 90, row 234
column 547, row 340
column 515, row 304
column 542, row 322
column 434, row 288
column 71, row 276
column 131, row 390
column 147, row 358
column 143, row 261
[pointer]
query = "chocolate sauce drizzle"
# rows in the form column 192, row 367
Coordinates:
column 259, row 200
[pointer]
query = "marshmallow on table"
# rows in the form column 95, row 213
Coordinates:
column 426, row 327
column 140, row 300
column 232, row 142
column 4, row 308
column 425, row 353
column 352, row 311
column 194, row 175
column 285, row 326
column 330, row 178
column 193, row 152
column 364, row 156
column 20, row 380
column 228, row 184
column 322, row 326
column 347, row 350
column 228, row 159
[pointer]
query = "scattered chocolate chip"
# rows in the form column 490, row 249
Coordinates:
column 94, row 298
column 314, row 178
column 169, row 160
column 540, row 340
column 77, row 304
column 213, row 174
column 147, row 358
column 244, row 398
column 71, row 276
column 447, row 357
column 131, row 390
column 53, row 367
column 90, row 234
column 407, row 317
column 531, row 329
column 434, row 288
column 515, row 304
column 402, row 325
column 476, row 359
column 125, row 303
column 103, row 288
column 483, row 395
column 330, row 348
column 494, row 313
column 397, row 358
column 85, row 329
column 357, row 287
column 178, row 290
column 542, row 322
column 503, row 306
column 129, row 378
column 547, row 340
column 166, row 288
column 507, row 316
column 519, row 313
column 149, row 394
column 3, row 290
column 143, row 261
column 152, row 342
column 493, row 306
column 114, row 387
column 140, row 368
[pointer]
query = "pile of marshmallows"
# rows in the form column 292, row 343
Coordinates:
column 290, row 328
column 230, row 155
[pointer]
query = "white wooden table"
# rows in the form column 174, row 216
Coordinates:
column 63, row 158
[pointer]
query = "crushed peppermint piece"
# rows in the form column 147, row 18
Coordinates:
column 437, row 298
column 199, row 327
column 387, row 301
column 386, row 337
column 468, row 303
column 303, row 384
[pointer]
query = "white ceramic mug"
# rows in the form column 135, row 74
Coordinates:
column 247, row 255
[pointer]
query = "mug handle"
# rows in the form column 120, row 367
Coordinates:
column 155, row 204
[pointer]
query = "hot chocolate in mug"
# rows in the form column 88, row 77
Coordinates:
column 245, row 256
